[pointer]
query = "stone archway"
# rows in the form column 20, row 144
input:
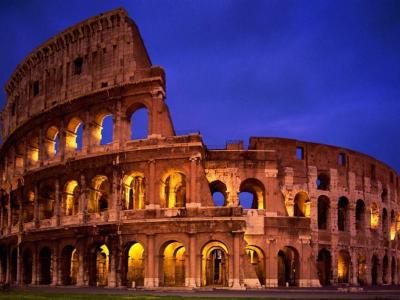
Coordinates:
column 173, row 264
column 215, row 264
column 324, row 261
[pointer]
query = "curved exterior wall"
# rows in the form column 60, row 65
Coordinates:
column 145, row 212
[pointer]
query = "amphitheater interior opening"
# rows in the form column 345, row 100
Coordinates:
column 302, row 205
column 139, row 124
column 251, row 194
column 174, row 190
column 173, row 264
column 134, row 191
column 219, row 193
column 215, row 264
column 323, row 212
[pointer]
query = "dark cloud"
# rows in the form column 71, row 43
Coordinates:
column 324, row 71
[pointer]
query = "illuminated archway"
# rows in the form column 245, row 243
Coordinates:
column 215, row 264
column 46, row 202
column 343, row 266
column 52, row 141
column 361, row 270
column 256, row 259
column 69, row 265
column 99, row 194
column 302, row 205
column 392, row 225
column 134, row 191
column 33, row 149
column 102, row 129
column 374, row 216
column 135, row 265
column 288, row 267
column 173, row 264
column 74, row 134
column 71, row 198
column 173, row 190
column 100, row 266
column 252, row 194
column 324, row 261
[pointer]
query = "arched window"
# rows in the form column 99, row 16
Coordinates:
column 139, row 123
column 102, row 132
column 33, row 150
column 74, row 134
column 218, row 192
column 343, row 267
column 71, row 198
column 302, row 205
column 52, row 142
column 99, row 195
column 134, row 191
column 323, row 212
column 360, row 215
column 46, row 202
column 384, row 195
column 374, row 216
column 392, row 225
column 323, row 181
column 343, row 214
column 173, row 191
column 252, row 194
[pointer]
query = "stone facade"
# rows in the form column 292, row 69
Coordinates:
column 165, row 210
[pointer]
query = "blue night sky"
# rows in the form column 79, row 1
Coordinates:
column 321, row 71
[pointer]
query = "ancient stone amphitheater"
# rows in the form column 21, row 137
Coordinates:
column 165, row 210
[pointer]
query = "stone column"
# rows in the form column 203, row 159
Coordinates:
column 236, row 260
column 271, row 265
column 8, row 272
column 34, row 265
column 57, row 208
column 42, row 151
column 87, row 128
column 354, row 264
column 83, row 199
column 150, row 189
column 80, row 278
column 193, row 197
column 19, row 263
column 1, row 220
column 112, row 272
column 9, row 214
column 114, row 206
column 36, row 206
column 149, row 280
column 192, row 260
column 117, row 126
column 55, row 266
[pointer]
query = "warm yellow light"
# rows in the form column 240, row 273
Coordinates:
column 172, row 193
column 374, row 216
column 136, row 251
column 104, row 249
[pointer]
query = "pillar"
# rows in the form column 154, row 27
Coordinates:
column 54, row 266
column 115, row 198
column 150, row 188
column 192, row 260
column 149, row 280
column 34, row 266
column 9, row 215
column 8, row 273
column 19, row 264
column 117, row 126
column 57, row 208
column 42, row 154
column 236, row 260
column 112, row 272
column 193, row 197
column 354, row 265
column 83, row 199
column 36, row 206
column 87, row 129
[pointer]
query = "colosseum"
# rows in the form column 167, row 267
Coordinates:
column 165, row 210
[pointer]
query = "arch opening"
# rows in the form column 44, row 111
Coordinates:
column 374, row 216
column 135, row 265
column 46, row 202
column 173, row 264
column 74, row 132
column 251, row 195
column 102, row 131
column 99, row 194
column 27, row 261
column 324, row 261
column 288, row 267
column 256, row 259
column 323, row 212
column 385, row 224
column 385, row 270
column 323, row 182
column 173, row 191
column 302, row 205
column 343, row 267
column 69, row 266
column 362, row 270
column 45, row 257
column 343, row 214
column 134, row 191
column 100, row 266
column 71, row 198
column 139, row 124
column 219, row 193
column 215, row 264
column 360, row 215
column 51, row 143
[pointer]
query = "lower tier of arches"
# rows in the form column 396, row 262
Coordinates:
column 229, row 260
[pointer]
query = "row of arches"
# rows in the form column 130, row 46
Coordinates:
column 390, row 223
column 101, row 133
column 374, row 272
